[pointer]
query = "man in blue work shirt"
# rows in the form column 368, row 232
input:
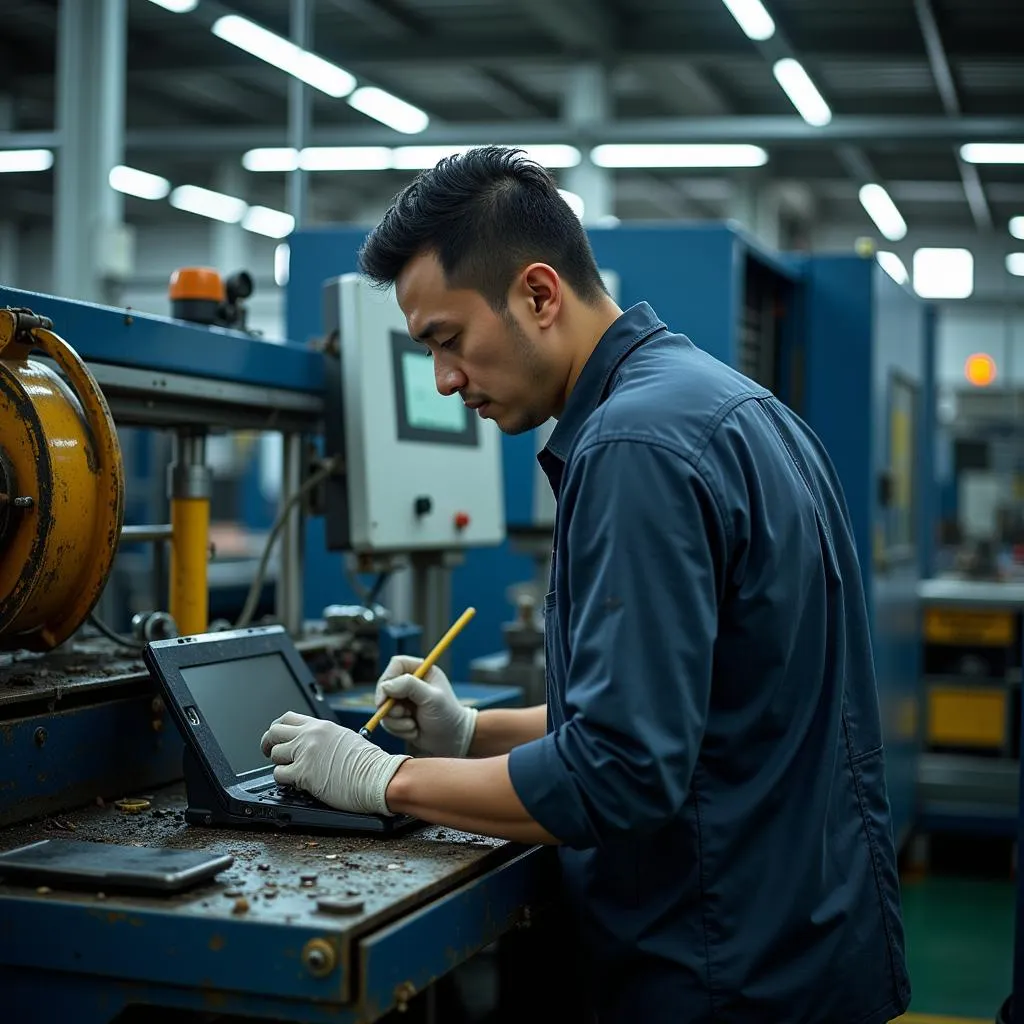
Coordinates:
column 709, row 760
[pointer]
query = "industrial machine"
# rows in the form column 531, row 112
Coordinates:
column 298, row 928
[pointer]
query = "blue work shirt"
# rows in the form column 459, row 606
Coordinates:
column 713, row 766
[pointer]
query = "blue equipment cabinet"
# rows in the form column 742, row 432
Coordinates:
column 869, row 395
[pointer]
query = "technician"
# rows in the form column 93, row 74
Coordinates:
column 710, row 758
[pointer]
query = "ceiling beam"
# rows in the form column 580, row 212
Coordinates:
column 910, row 132
column 579, row 26
column 946, row 86
column 385, row 17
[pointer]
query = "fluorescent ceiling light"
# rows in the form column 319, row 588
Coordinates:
column 264, row 221
column 205, row 203
column 993, row 152
column 283, row 54
column 282, row 264
column 943, row 273
column 271, row 159
column 1017, row 227
column 677, row 155
column 882, row 210
column 553, row 155
column 142, row 184
column 345, row 158
column 389, row 110
column 18, row 160
column 573, row 201
column 1015, row 263
column 422, row 158
column 802, row 92
column 177, row 6
column 893, row 266
column 751, row 16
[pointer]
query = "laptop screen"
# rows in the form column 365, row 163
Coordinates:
column 239, row 699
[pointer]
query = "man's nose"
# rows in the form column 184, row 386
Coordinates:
column 448, row 379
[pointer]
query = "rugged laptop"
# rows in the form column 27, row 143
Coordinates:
column 224, row 690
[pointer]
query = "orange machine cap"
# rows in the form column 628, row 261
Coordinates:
column 196, row 283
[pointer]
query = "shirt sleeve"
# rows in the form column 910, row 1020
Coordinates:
column 643, row 556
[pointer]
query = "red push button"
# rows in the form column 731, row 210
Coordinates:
column 461, row 520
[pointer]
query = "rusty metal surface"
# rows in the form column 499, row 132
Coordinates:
column 93, row 664
column 349, row 884
column 67, row 672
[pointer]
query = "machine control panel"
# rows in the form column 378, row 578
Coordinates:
column 422, row 471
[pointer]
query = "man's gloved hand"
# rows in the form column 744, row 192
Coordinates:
column 426, row 714
column 335, row 764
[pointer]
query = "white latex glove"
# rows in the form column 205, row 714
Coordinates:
column 426, row 714
column 335, row 764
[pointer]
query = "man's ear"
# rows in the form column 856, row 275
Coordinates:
column 541, row 291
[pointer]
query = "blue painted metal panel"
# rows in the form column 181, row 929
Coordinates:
column 409, row 953
column 108, row 749
column 155, row 945
column 861, row 328
column 690, row 274
column 108, row 335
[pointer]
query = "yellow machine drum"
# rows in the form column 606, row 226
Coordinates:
column 61, row 487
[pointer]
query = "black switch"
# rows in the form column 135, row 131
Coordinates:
column 423, row 505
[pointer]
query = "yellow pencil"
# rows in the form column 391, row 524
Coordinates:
column 425, row 666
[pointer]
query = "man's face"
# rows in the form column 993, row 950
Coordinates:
column 490, row 360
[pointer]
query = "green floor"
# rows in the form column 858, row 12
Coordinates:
column 959, row 934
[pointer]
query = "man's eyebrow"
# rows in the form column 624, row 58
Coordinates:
column 429, row 330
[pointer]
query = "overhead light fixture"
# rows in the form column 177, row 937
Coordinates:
column 262, row 220
column 390, row 110
column 177, row 6
column 284, row 54
column 893, row 266
column 282, row 264
column 802, row 92
column 141, row 184
column 943, row 273
column 678, row 155
column 281, row 158
column 206, row 203
column 751, row 16
column 383, row 158
column 573, row 201
column 882, row 210
column 345, row 158
column 422, row 158
column 1015, row 264
column 993, row 152
column 16, row 161
column 1017, row 227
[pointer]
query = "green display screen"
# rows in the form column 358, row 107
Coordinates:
column 426, row 409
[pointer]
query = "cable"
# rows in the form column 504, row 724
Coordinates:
column 253, row 597
column 96, row 623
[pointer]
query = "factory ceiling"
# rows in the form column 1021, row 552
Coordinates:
column 907, row 82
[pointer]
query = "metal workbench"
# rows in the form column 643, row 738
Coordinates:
column 302, row 927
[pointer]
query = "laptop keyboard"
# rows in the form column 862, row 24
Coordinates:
column 273, row 793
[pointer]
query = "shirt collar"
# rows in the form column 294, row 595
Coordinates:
column 628, row 330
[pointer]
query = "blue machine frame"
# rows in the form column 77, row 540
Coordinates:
column 83, row 959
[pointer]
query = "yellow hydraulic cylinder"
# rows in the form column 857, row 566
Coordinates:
column 190, row 542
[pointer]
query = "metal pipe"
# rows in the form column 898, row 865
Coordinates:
column 288, row 592
column 189, row 484
column 146, row 534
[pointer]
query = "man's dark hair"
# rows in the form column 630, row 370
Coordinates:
column 486, row 214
